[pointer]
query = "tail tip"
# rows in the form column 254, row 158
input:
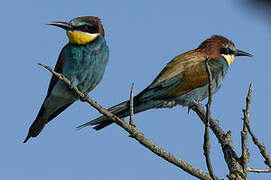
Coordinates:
column 80, row 127
column 27, row 137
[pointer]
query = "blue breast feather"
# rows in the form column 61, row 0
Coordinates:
column 84, row 65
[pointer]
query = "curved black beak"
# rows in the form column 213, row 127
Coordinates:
column 242, row 53
column 62, row 25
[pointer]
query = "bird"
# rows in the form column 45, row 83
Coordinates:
column 183, row 81
column 82, row 60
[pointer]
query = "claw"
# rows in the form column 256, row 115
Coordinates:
column 191, row 105
column 84, row 99
column 189, row 108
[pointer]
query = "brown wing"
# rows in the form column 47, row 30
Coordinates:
column 187, row 70
column 179, row 64
column 191, row 78
column 183, row 73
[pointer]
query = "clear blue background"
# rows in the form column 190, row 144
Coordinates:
column 143, row 36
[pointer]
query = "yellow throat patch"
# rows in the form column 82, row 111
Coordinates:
column 229, row 58
column 80, row 38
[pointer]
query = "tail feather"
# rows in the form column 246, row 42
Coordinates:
column 41, row 121
column 93, row 122
column 103, row 125
column 114, row 109
column 122, row 105
column 36, row 126
column 121, row 110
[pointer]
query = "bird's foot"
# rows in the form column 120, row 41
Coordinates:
column 189, row 108
column 84, row 98
column 167, row 104
column 192, row 104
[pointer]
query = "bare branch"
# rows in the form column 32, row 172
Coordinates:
column 206, row 144
column 260, row 145
column 259, row 170
column 255, row 140
column 132, row 120
column 230, row 156
column 246, row 112
column 138, row 135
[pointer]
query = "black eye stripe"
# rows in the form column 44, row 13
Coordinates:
column 231, row 51
column 226, row 51
column 87, row 28
column 223, row 51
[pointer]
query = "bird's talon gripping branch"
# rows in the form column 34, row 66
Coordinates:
column 188, row 109
column 84, row 99
column 192, row 105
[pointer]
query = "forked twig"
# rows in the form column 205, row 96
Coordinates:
column 246, row 112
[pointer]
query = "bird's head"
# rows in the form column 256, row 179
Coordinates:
column 81, row 30
column 219, row 46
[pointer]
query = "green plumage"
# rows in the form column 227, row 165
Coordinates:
column 83, row 65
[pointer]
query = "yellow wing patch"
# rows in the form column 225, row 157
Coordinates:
column 80, row 38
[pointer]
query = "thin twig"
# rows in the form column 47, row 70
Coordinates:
column 260, row 145
column 259, row 170
column 138, row 135
column 210, row 97
column 230, row 156
column 246, row 112
column 132, row 120
column 206, row 145
column 255, row 140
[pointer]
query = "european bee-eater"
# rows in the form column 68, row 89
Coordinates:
column 82, row 61
column 183, row 81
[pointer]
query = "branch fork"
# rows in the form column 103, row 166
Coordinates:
column 237, row 166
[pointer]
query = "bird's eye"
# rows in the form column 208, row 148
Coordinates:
column 224, row 51
column 89, row 29
column 84, row 28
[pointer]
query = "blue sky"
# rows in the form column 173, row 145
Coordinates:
column 142, row 36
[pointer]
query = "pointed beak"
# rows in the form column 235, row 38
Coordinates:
column 62, row 25
column 242, row 53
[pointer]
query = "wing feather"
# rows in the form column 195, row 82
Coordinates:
column 184, row 73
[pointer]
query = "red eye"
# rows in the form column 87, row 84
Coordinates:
column 84, row 28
